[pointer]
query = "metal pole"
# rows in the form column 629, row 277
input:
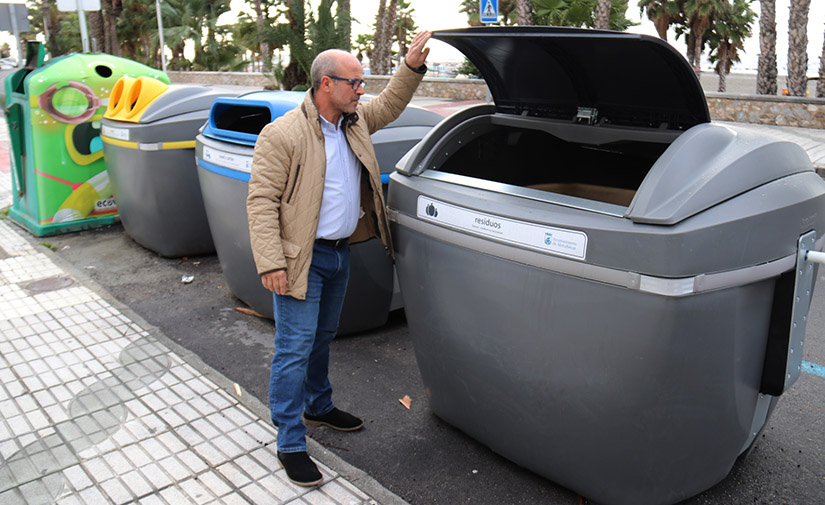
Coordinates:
column 160, row 37
column 20, row 55
column 84, row 33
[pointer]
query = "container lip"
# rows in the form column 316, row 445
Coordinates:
column 564, row 73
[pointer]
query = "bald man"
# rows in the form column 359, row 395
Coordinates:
column 315, row 188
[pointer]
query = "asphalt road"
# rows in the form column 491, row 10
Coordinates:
column 412, row 452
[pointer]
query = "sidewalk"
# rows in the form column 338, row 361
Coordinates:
column 97, row 407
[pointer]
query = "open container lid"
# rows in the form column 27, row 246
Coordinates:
column 564, row 73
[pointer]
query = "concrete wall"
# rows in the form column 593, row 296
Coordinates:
column 758, row 109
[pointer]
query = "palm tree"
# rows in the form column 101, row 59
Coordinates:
column 820, row 84
column 578, row 13
column 663, row 13
column 137, row 29
column 344, row 24
column 700, row 18
column 524, row 8
column 731, row 27
column 404, row 29
column 766, row 73
column 380, row 62
column 112, row 10
column 471, row 8
column 261, row 14
column 601, row 15
column 798, row 47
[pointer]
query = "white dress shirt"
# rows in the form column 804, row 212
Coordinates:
column 341, row 203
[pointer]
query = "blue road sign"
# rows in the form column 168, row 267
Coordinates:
column 489, row 11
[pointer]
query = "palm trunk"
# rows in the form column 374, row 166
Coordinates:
column 266, row 52
column 662, row 23
column 377, row 57
column 697, row 50
column 820, row 85
column 111, row 11
column 51, row 25
column 722, row 67
column 96, row 32
column 798, row 47
column 524, row 8
column 766, row 73
column 601, row 15
column 344, row 20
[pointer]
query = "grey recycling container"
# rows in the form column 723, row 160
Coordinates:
column 224, row 154
column 148, row 138
column 602, row 285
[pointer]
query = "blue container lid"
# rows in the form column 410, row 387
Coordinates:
column 239, row 120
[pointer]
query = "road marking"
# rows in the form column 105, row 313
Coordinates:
column 813, row 368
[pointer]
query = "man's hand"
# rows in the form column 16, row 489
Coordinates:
column 275, row 281
column 417, row 53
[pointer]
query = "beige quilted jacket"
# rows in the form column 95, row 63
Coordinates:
column 287, row 182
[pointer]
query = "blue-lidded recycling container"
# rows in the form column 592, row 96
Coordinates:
column 224, row 156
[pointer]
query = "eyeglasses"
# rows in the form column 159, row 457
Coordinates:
column 355, row 83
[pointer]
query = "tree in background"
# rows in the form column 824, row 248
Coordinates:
column 601, row 14
column 507, row 11
column 404, row 29
column 263, row 18
column 699, row 14
column 45, row 19
column 344, row 24
column 470, row 7
column 137, row 29
column 578, row 13
column 731, row 27
column 364, row 47
column 798, row 47
column 820, row 84
column 111, row 10
column 663, row 13
column 381, row 62
column 524, row 12
column 766, row 66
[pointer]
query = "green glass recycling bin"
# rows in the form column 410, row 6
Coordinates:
column 59, row 179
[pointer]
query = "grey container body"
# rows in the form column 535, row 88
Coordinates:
column 371, row 292
column 622, row 353
column 155, row 185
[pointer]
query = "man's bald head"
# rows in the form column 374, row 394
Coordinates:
column 327, row 63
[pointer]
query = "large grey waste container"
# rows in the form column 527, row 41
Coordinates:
column 224, row 152
column 150, row 156
column 599, row 282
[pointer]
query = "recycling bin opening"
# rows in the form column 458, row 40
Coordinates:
column 601, row 284
column 249, row 119
column 608, row 169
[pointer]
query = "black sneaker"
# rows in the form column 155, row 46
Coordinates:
column 336, row 419
column 299, row 468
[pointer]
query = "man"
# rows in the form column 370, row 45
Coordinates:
column 315, row 186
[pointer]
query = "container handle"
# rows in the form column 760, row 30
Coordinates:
column 815, row 257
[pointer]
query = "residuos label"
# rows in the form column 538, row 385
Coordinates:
column 569, row 243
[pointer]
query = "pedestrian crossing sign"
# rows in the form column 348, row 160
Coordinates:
column 489, row 11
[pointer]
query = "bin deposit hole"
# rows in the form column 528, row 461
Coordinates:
column 103, row 71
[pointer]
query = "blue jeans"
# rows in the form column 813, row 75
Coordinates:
column 303, row 331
